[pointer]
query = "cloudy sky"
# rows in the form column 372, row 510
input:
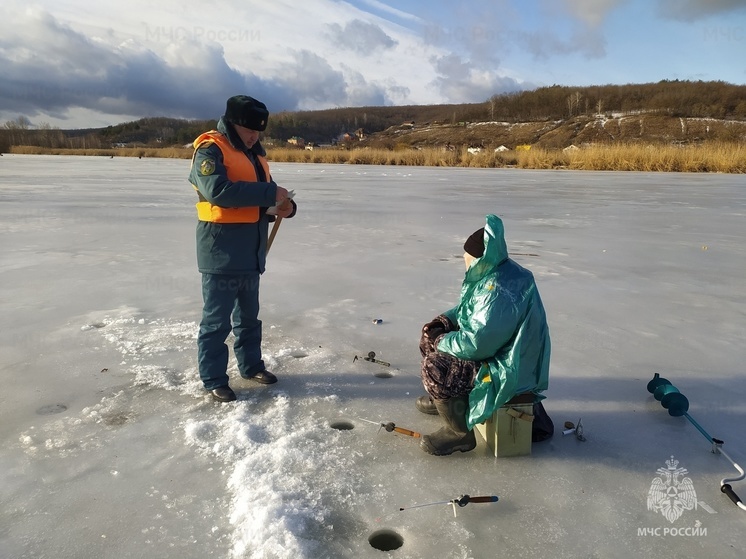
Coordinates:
column 76, row 63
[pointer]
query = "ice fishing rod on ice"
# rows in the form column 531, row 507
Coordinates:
column 391, row 427
column 372, row 358
column 677, row 405
column 460, row 501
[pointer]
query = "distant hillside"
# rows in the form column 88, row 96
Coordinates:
column 580, row 130
column 556, row 116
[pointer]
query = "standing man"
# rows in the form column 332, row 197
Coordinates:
column 231, row 176
column 492, row 346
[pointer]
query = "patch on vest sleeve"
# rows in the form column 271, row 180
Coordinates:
column 207, row 167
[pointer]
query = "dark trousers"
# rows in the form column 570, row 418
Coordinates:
column 443, row 375
column 231, row 302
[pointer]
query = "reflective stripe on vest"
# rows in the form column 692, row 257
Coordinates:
column 238, row 168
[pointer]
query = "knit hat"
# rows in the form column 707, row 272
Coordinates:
column 474, row 245
column 246, row 111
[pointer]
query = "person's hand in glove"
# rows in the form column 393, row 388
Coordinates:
column 435, row 328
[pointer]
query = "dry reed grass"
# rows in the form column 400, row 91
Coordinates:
column 709, row 157
column 168, row 153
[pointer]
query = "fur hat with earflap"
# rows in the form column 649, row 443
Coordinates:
column 246, row 111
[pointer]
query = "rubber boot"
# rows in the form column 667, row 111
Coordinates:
column 426, row 405
column 455, row 435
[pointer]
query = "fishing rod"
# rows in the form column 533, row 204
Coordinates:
column 677, row 405
column 460, row 501
column 391, row 427
column 372, row 358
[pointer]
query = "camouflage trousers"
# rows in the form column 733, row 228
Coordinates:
column 445, row 376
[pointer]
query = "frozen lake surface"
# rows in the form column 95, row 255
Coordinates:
column 110, row 448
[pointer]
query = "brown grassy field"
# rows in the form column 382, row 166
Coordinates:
column 707, row 158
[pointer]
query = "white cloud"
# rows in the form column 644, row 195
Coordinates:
column 312, row 81
column 689, row 10
column 362, row 93
column 175, row 58
column 49, row 68
column 145, row 60
column 592, row 12
column 393, row 11
column 459, row 82
column 361, row 37
column 546, row 44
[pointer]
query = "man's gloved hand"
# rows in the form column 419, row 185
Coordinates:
column 432, row 333
column 436, row 327
column 440, row 321
column 433, row 324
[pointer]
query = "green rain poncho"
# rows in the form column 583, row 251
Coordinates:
column 501, row 323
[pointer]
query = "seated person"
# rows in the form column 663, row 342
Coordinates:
column 492, row 346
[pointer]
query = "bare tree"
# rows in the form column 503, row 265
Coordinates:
column 573, row 102
column 18, row 130
column 22, row 123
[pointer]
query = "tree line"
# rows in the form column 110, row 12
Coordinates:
column 713, row 99
column 684, row 99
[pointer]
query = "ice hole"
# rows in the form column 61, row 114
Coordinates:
column 342, row 425
column 51, row 409
column 383, row 374
column 385, row 540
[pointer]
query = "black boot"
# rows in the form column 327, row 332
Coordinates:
column 262, row 377
column 455, row 435
column 223, row 394
column 426, row 405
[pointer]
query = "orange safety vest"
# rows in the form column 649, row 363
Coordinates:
column 239, row 168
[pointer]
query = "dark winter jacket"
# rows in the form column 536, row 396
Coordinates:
column 502, row 324
column 231, row 248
